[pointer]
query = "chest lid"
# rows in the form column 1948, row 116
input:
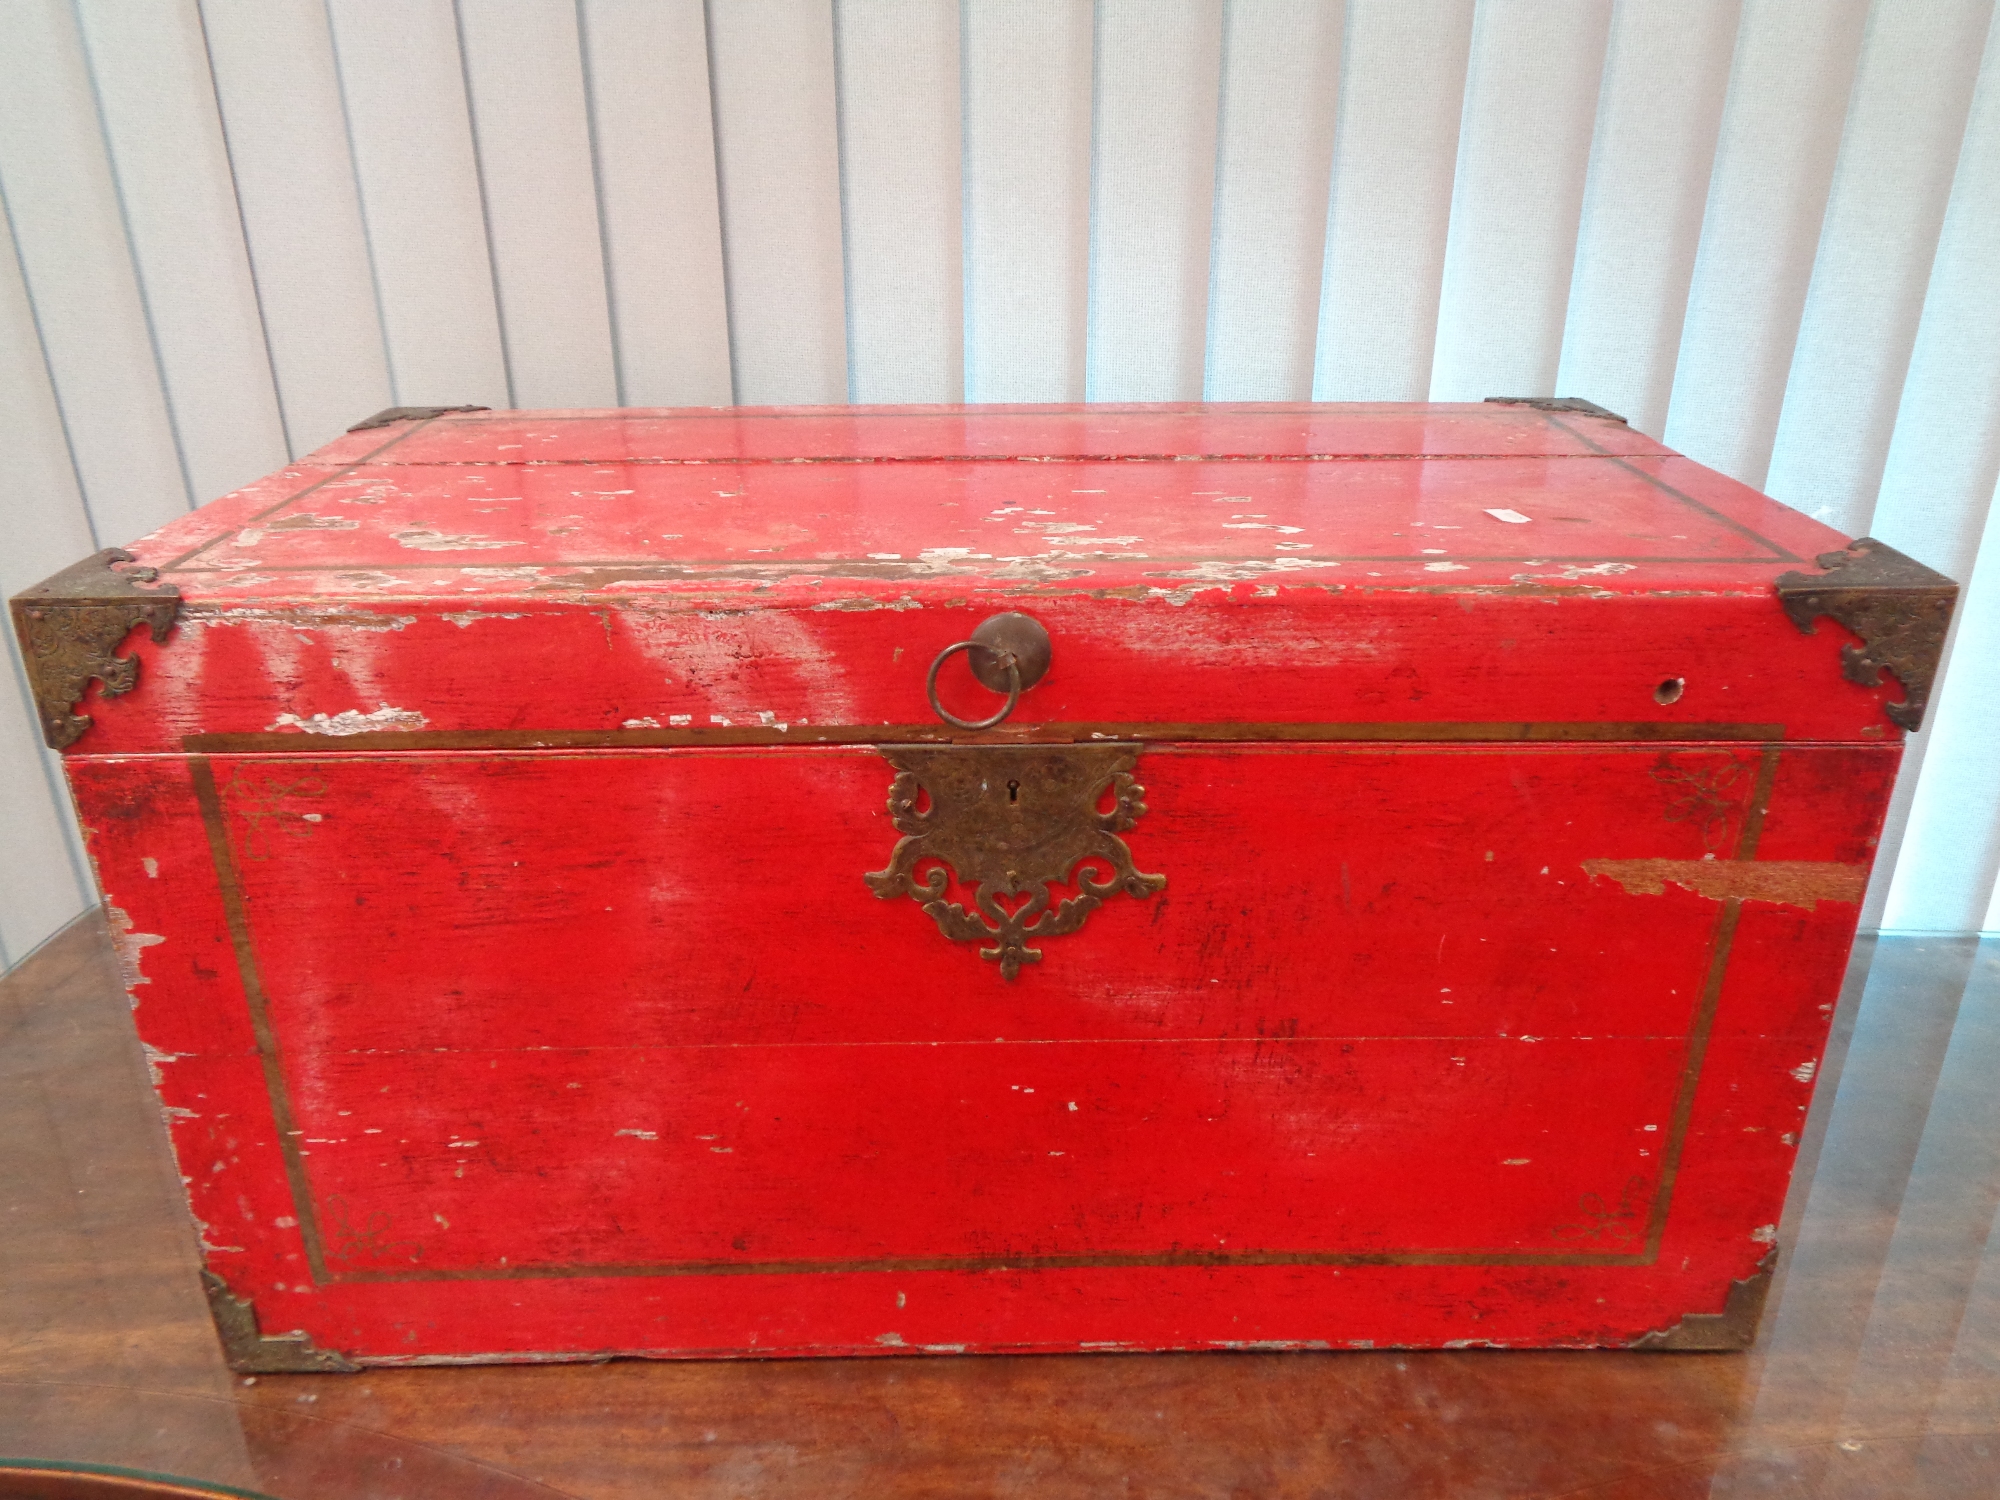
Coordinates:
column 1488, row 570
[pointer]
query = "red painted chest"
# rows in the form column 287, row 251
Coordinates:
column 1407, row 910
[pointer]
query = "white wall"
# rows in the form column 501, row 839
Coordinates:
column 1766, row 230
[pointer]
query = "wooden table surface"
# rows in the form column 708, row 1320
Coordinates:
column 1877, row 1373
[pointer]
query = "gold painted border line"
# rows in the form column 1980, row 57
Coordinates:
column 179, row 564
column 757, row 460
column 1594, row 449
column 1624, row 461
column 1151, row 733
column 270, row 1059
column 270, row 1056
column 1711, row 1001
column 964, row 411
column 999, row 1263
column 558, row 588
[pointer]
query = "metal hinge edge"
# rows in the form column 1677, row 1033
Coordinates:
column 389, row 415
column 1735, row 1327
column 1573, row 404
column 70, row 627
column 253, row 1353
column 1899, row 608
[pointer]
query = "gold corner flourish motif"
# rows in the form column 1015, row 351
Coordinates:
column 1012, row 821
column 69, row 627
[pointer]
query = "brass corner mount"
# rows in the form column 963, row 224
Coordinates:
column 1899, row 608
column 253, row 1352
column 389, row 416
column 70, row 627
column 1735, row 1327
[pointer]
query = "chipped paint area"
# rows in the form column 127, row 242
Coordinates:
column 1800, row 883
column 301, row 619
column 424, row 539
column 307, row 521
column 129, row 945
column 352, row 721
column 862, row 606
column 363, row 578
column 156, row 1059
column 1805, row 1070
column 466, row 617
column 932, row 563
column 1576, row 572
column 1244, row 571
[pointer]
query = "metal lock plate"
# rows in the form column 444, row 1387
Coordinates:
column 1012, row 820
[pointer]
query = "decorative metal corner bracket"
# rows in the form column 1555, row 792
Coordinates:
column 1575, row 405
column 388, row 416
column 254, row 1353
column 69, row 627
column 1735, row 1327
column 1012, row 820
column 1899, row 608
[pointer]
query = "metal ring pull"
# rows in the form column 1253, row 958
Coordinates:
column 1013, row 669
column 1007, row 652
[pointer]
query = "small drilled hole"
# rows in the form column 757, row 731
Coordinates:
column 1670, row 691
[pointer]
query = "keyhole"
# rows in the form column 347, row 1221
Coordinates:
column 1013, row 791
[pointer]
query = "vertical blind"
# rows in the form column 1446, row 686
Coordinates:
column 1767, row 231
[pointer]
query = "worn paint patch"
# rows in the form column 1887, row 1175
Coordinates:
column 129, row 945
column 352, row 721
column 307, row 521
column 301, row 619
column 1577, row 571
column 934, row 562
column 861, row 606
column 465, row 617
column 156, row 1059
column 425, row 539
column 1800, row 883
column 1245, row 571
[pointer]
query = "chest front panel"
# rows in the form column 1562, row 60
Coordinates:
column 639, row 1017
